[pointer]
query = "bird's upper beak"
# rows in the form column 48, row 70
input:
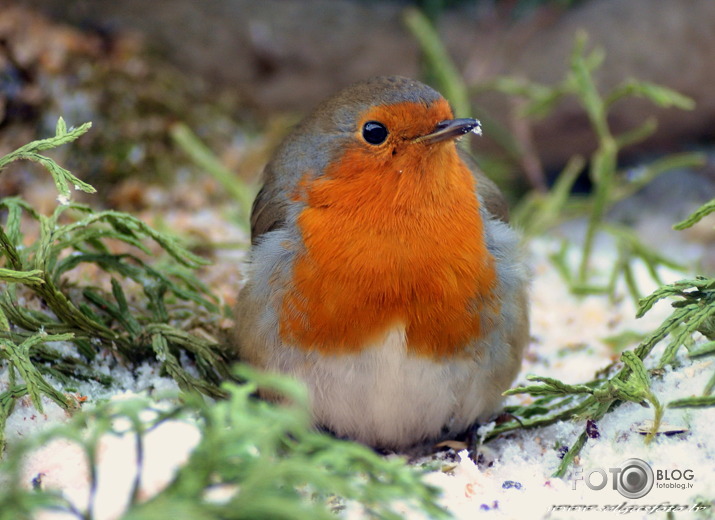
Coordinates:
column 450, row 129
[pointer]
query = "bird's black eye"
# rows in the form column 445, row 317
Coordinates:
column 374, row 132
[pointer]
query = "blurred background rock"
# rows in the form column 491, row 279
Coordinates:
column 289, row 54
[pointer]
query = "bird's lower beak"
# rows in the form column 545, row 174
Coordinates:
column 450, row 129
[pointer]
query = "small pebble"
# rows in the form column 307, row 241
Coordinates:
column 562, row 451
column 592, row 429
column 509, row 484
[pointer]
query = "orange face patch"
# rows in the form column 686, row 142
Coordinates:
column 393, row 236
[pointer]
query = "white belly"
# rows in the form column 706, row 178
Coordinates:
column 386, row 397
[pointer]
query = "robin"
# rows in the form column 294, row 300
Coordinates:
column 383, row 272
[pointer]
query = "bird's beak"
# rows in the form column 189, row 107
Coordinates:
column 450, row 129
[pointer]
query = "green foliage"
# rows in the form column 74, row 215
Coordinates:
column 541, row 211
column 64, row 180
column 696, row 217
column 442, row 68
column 694, row 312
column 267, row 460
column 134, row 329
column 208, row 162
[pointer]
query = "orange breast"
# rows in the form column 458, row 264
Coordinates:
column 402, row 245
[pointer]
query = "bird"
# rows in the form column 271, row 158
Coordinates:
column 383, row 272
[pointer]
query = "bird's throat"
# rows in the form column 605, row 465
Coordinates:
column 402, row 246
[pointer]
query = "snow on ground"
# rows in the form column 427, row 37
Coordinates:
column 567, row 345
column 61, row 464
